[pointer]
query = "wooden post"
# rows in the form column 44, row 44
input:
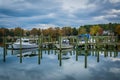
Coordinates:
column 39, row 56
column 60, row 43
column 41, row 42
column 71, row 53
column 5, row 46
column 48, row 51
column 86, row 59
column 105, row 52
column 77, row 42
column 97, row 38
column 104, row 42
column 49, row 38
column 4, row 49
column 72, row 40
column 98, row 56
column 20, row 48
column 12, row 46
column 110, row 53
column 115, row 46
column 55, row 40
column 60, row 58
column 86, row 43
column 93, row 41
column 76, row 54
column 92, row 52
column 115, row 53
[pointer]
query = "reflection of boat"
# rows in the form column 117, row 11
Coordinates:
column 65, row 57
column 30, row 54
column 25, row 52
column 64, row 45
column 25, row 44
column 65, row 54
column 83, row 53
column 29, row 51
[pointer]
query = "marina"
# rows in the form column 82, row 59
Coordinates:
column 59, row 39
column 65, row 42
column 48, row 58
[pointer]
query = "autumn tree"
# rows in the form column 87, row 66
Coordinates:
column 94, row 30
column 51, row 31
column 45, row 32
column 82, row 30
column 39, row 31
column 55, row 32
column 4, row 31
column 1, row 35
column 100, row 31
column 1, row 32
column 66, row 31
column 34, row 32
column 117, row 29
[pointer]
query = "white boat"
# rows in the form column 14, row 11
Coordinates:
column 64, row 45
column 89, row 41
column 25, row 44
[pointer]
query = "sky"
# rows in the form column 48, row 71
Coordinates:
column 57, row 13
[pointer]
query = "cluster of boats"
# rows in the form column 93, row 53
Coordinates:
column 25, row 43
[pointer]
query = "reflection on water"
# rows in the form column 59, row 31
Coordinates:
column 60, row 65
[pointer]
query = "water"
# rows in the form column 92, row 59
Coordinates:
column 56, row 65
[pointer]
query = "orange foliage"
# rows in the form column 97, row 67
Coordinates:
column 117, row 29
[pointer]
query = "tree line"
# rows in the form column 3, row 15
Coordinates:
column 98, row 29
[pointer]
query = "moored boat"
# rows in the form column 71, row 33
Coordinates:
column 25, row 44
column 64, row 45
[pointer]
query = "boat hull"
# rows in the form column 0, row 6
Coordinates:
column 58, row 46
column 30, row 46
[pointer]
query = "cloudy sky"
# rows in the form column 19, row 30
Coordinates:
column 57, row 13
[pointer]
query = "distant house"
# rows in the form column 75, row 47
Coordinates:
column 106, row 32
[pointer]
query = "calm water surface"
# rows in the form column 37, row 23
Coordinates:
column 56, row 65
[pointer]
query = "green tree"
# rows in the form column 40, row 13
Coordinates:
column 18, row 31
column 74, row 31
column 11, row 32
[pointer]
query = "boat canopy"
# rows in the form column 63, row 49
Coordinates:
column 65, row 41
column 84, row 35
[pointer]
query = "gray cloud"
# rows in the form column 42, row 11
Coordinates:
column 64, row 12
